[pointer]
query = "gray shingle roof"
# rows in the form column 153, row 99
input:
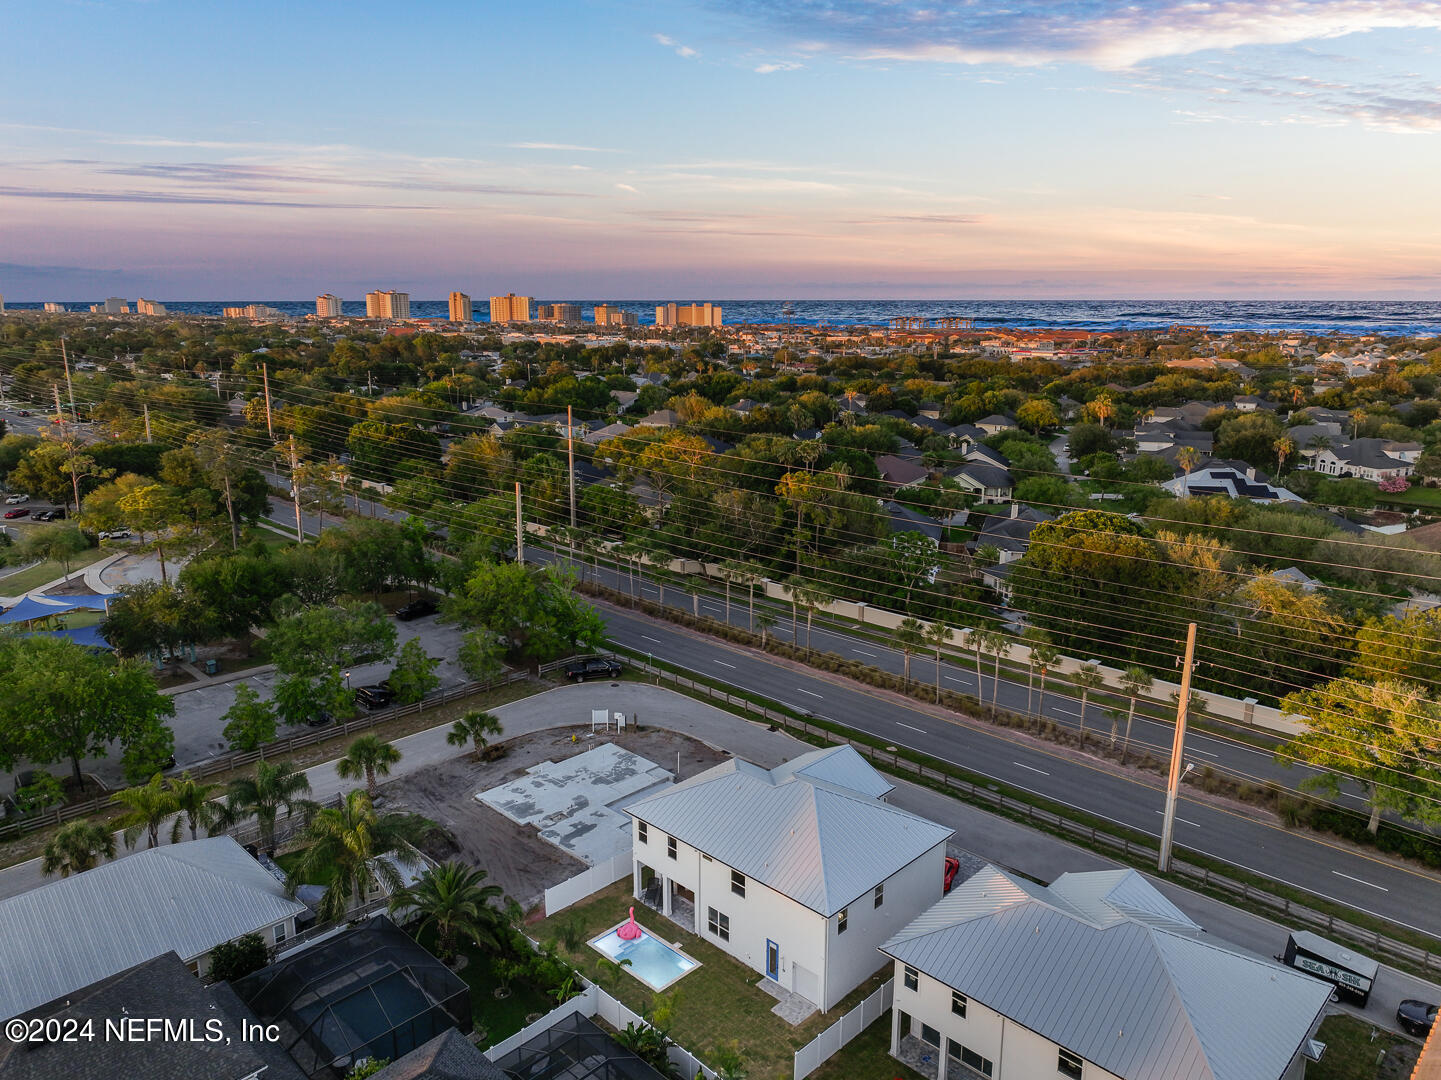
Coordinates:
column 798, row 833
column 448, row 1056
column 1107, row 968
column 186, row 897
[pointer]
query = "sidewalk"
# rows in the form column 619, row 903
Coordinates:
column 93, row 583
column 994, row 839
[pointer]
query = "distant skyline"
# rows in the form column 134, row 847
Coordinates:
column 701, row 149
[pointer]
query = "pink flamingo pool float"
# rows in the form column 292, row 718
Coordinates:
column 631, row 930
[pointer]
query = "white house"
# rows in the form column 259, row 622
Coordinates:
column 183, row 898
column 1368, row 459
column 1098, row 977
column 1234, row 479
column 799, row 872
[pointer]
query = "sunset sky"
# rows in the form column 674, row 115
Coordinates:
column 185, row 149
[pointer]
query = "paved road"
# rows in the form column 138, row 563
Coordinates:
column 1347, row 876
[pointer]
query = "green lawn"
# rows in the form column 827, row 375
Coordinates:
column 1352, row 1054
column 1415, row 496
column 291, row 859
column 718, row 1002
column 500, row 1017
column 867, row 1057
column 22, row 581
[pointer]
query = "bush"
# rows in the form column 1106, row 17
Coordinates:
column 236, row 959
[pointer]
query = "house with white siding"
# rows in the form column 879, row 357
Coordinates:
column 184, row 898
column 1096, row 977
column 799, row 872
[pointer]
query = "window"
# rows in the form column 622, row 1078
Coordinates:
column 841, row 920
column 880, row 894
column 930, row 1035
column 958, row 1003
column 1069, row 1064
column 670, row 846
column 911, row 977
column 738, row 883
column 719, row 925
column 642, row 832
column 973, row 1060
column 279, row 933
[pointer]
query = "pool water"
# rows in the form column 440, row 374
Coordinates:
column 652, row 961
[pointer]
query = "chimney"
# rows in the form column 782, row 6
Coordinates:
column 1250, row 472
column 1015, row 509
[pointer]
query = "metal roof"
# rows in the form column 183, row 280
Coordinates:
column 842, row 766
column 186, row 897
column 807, row 837
column 1135, row 999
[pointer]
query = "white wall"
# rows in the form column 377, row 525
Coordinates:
column 1016, row 1052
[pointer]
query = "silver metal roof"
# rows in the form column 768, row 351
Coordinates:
column 842, row 766
column 819, row 844
column 185, row 897
column 1137, row 1000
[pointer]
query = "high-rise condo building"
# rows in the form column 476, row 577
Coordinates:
column 688, row 315
column 252, row 311
column 558, row 313
column 149, row 307
column 510, row 308
column 460, row 308
column 327, row 306
column 610, row 315
column 116, row 305
column 387, row 304
column 50, row 306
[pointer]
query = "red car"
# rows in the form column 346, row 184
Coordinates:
column 952, row 866
column 18, row 512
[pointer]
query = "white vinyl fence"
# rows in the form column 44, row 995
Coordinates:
column 593, row 1002
column 810, row 1057
column 573, row 890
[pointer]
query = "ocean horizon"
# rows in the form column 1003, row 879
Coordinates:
column 1403, row 318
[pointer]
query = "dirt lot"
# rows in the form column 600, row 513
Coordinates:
column 515, row 856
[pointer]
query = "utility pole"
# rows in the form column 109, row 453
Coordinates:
column 265, row 378
column 1178, row 746
column 295, row 486
column 519, row 529
column 147, row 422
column 59, row 409
column 570, row 460
column 69, row 386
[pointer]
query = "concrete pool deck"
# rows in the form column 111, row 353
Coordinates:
column 575, row 803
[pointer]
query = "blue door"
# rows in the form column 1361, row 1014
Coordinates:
column 773, row 960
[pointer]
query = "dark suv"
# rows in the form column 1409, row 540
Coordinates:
column 593, row 667
column 374, row 697
column 415, row 609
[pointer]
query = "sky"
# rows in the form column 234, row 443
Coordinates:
column 704, row 149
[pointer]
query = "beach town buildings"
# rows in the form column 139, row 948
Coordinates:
column 610, row 315
column 688, row 315
column 460, row 308
column 509, row 308
column 327, row 306
column 149, row 307
column 558, row 313
column 387, row 304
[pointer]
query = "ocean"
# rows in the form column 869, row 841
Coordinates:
column 1410, row 318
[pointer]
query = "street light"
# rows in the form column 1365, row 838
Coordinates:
column 347, row 680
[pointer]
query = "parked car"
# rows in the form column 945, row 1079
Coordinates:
column 23, row 412
column 374, row 697
column 320, row 719
column 1416, row 1017
column 21, row 512
column 593, row 667
column 417, row 608
column 17, row 497
column 115, row 534
column 953, row 865
column 56, row 514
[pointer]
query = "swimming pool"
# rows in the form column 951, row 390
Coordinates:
column 652, row 961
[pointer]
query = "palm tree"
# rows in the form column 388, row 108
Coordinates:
column 1086, row 678
column 997, row 645
column 1188, row 457
column 937, row 635
column 192, row 800
column 147, row 808
column 909, row 635
column 811, row 596
column 1284, row 447
column 794, row 586
column 763, row 620
column 476, row 727
column 76, row 847
column 1134, row 682
column 358, row 849
column 1043, row 656
column 369, row 756
column 274, row 785
column 451, row 899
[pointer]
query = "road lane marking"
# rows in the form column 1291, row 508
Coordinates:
column 1198, row 750
column 1030, row 768
column 950, row 679
column 909, row 728
column 658, row 641
column 862, row 651
column 1360, row 881
column 1186, row 820
column 722, row 663
column 811, row 692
